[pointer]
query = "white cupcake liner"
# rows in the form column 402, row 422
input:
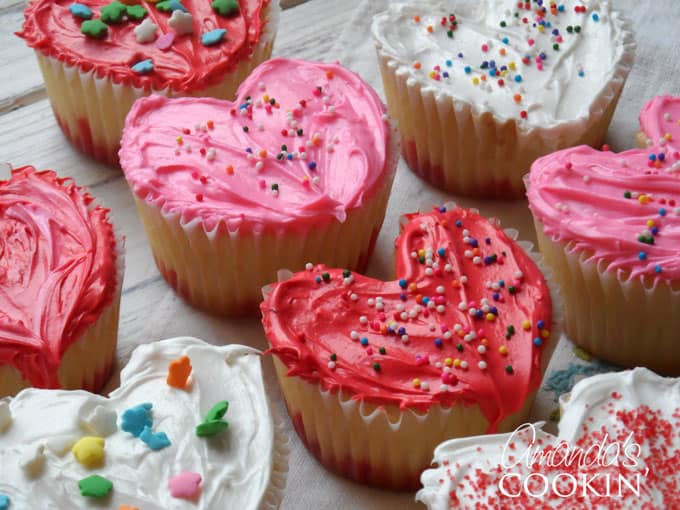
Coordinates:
column 277, row 481
column 399, row 443
column 623, row 320
column 459, row 147
column 91, row 109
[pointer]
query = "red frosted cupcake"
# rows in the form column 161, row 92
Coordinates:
column 99, row 56
column 61, row 270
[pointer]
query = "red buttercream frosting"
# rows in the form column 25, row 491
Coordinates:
column 466, row 320
column 57, row 270
column 187, row 65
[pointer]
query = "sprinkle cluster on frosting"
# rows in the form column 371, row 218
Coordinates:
column 520, row 59
column 304, row 141
column 103, row 435
column 618, row 433
column 57, row 270
column 466, row 320
column 181, row 44
column 623, row 208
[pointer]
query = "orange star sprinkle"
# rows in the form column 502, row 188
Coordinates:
column 178, row 372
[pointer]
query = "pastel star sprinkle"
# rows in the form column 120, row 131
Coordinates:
column 89, row 451
column 94, row 28
column 95, row 486
column 136, row 12
column 225, row 7
column 213, row 37
column 113, row 12
column 185, row 485
column 100, row 422
column 80, row 11
column 181, row 22
column 32, row 460
column 4, row 502
column 155, row 441
column 178, row 372
column 165, row 41
column 213, row 423
column 145, row 32
column 136, row 418
column 143, row 66
column 127, row 507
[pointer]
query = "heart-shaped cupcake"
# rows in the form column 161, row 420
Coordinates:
column 482, row 88
column 148, row 452
column 59, row 275
column 617, row 448
column 466, row 323
column 304, row 156
column 617, row 216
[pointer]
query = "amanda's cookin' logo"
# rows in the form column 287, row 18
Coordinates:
column 602, row 468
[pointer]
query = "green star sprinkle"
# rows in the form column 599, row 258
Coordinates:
column 225, row 7
column 136, row 12
column 580, row 353
column 95, row 486
column 163, row 6
column 214, row 423
column 94, row 28
column 114, row 12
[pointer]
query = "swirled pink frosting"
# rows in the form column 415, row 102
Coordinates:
column 57, row 270
column 304, row 142
column 622, row 209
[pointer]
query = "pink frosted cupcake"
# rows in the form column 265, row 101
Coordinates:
column 609, row 225
column 300, row 167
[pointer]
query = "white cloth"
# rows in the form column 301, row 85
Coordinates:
column 655, row 72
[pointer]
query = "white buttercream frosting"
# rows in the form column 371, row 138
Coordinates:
column 240, row 467
column 636, row 402
column 572, row 79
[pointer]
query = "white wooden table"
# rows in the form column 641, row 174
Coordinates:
column 151, row 311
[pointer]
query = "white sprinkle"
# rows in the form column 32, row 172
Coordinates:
column 210, row 155
column 457, row 327
column 676, row 211
column 441, row 308
column 424, row 386
column 404, row 338
column 463, row 279
column 348, row 281
column 462, row 306
column 586, row 178
column 261, row 85
column 440, row 289
column 481, row 349
column 354, row 297
column 331, row 365
column 404, row 316
column 354, row 335
column 477, row 260
column 275, row 193
column 468, row 254
column 429, row 271
column 259, row 165
column 448, row 268
column 315, row 179
column 145, row 32
column 309, row 266
column 519, row 274
column 667, row 117
column 482, row 365
column 447, row 335
column 464, row 365
column 370, row 302
column 443, row 388
column 414, row 255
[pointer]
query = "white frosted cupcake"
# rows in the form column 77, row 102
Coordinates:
column 609, row 226
column 300, row 167
column 61, row 273
column 98, row 56
column 375, row 374
column 189, row 427
column 480, row 89
column 617, row 448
